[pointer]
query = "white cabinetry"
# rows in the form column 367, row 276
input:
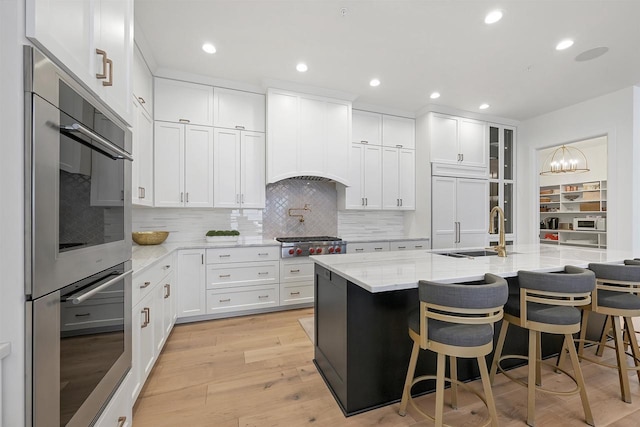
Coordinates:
column 408, row 245
column 365, row 247
column 398, row 132
column 296, row 281
column 234, row 109
column 240, row 279
column 142, row 166
column 153, row 317
column 142, row 82
column 458, row 146
column 183, row 163
column 398, row 178
column 367, row 127
column 365, row 175
column 239, row 169
column 191, row 283
column 118, row 412
column 182, row 102
column 459, row 212
column 92, row 39
column 307, row 136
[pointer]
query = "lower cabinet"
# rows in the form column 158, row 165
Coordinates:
column 227, row 300
column 408, row 245
column 118, row 412
column 364, row 247
column 296, row 281
column 191, row 276
column 153, row 316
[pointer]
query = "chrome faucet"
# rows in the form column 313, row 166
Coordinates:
column 501, row 248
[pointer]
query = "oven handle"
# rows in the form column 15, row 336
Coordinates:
column 77, row 127
column 79, row 298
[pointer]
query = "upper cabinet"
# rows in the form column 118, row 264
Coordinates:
column 307, row 135
column 234, row 109
column 367, row 127
column 398, row 132
column 142, row 83
column 182, row 102
column 458, row 146
column 93, row 40
column 142, row 166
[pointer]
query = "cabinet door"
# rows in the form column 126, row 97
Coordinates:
column 168, row 304
column 182, row 102
column 443, row 212
column 367, row 127
column 118, row 412
column 191, row 283
column 146, row 339
column 157, row 317
column 354, row 198
column 198, row 167
column 235, row 109
column 398, row 132
column 252, row 171
column 366, row 247
column 337, row 141
column 142, row 166
column 282, row 134
column 407, row 178
column 444, row 139
column 472, row 212
column 168, row 164
column 313, row 137
column 372, row 177
column 473, row 142
column 142, row 82
column 226, row 170
column 113, row 34
column 390, row 174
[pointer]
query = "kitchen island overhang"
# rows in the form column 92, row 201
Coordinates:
column 362, row 302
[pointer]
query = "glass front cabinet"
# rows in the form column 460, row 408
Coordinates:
column 502, row 176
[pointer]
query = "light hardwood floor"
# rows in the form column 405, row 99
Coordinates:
column 258, row 371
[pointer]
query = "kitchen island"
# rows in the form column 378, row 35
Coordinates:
column 362, row 302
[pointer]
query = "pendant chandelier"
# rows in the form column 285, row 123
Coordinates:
column 565, row 160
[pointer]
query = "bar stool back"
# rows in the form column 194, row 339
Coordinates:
column 615, row 296
column 455, row 320
column 546, row 303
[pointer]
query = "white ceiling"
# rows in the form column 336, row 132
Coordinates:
column 413, row 46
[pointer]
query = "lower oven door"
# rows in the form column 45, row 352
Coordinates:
column 80, row 348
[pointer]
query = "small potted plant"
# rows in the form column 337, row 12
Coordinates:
column 222, row 236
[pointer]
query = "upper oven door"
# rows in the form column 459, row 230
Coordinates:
column 78, row 192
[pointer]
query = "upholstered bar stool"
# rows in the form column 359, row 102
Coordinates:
column 615, row 296
column 455, row 320
column 546, row 303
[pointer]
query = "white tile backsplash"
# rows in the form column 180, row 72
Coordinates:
column 376, row 224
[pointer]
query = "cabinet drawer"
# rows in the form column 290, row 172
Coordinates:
column 246, row 299
column 406, row 245
column 144, row 281
column 357, row 248
column 245, row 274
column 259, row 253
column 302, row 272
column 296, row 294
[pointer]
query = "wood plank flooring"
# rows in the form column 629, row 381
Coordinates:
column 258, row 371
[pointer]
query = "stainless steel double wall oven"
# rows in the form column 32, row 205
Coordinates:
column 77, row 248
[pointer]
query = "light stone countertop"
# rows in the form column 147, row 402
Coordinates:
column 382, row 239
column 389, row 271
column 143, row 257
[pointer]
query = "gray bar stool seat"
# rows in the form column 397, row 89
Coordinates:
column 547, row 303
column 615, row 296
column 454, row 320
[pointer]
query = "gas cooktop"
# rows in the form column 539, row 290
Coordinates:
column 311, row 245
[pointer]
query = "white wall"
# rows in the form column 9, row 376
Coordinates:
column 11, row 210
column 613, row 115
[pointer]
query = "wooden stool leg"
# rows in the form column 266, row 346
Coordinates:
column 583, row 331
column 633, row 341
column 453, row 372
column 531, row 378
column 488, row 393
column 561, row 356
column 406, row 393
column 622, row 360
column 603, row 338
column 577, row 371
column 498, row 352
column 440, row 389
column 538, row 359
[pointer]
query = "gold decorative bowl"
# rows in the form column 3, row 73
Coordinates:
column 149, row 237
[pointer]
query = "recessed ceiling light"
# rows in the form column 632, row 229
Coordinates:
column 493, row 17
column 564, row 44
column 374, row 82
column 483, row 106
column 302, row 67
column 435, row 95
column 209, row 48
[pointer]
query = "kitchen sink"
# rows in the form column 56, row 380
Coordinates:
column 470, row 253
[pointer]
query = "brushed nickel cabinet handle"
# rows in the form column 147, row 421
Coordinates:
column 83, row 315
column 402, row 247
column 377, row 249
column 166, row 267
column 181, row 197
column 141, row 100
column 121, row 421
column 167, row 289
column 102, row 75
column 263, row 253
column 294, row 271
column 187, row 197
column 262, row 273
column 240, row 127
column 364, row 142
column 418, row 246
column 294, row 293
column 224, row 256
column 225, row 300
column 359, row 249
column 184, row 120
column 147, row 315
column 398, row 145
column 224, row 275
column 263, row 296
column 144, row 285
column 109, row 81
